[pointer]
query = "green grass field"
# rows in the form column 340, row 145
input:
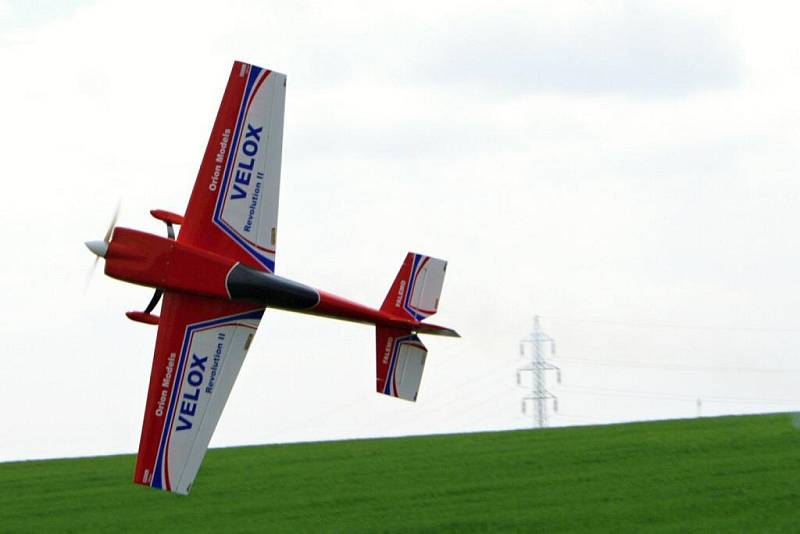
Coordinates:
column 725, row 474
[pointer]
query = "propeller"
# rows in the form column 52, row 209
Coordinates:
column 100, row 248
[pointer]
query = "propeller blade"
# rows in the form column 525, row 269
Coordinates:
column 99, row 248
column 90, row 274
column 110, row 230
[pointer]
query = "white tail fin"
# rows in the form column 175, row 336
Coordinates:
column 399, row 363
column 417, row 287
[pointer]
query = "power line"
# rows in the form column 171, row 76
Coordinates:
column 677, row 396
column 671, row 325
column 677, row 366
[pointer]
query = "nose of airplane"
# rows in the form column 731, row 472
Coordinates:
column 99, row 248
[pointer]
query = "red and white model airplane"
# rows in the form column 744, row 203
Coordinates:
column 217, row 278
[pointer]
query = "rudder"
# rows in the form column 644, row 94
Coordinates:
column 400, row 360
column 416, row 288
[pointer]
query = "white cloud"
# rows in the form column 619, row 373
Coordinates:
column 630, row 49
column 570, row 198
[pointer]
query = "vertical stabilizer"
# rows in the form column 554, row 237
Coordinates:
column 400, row 360
column 416, row 288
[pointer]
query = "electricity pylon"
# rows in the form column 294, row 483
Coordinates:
column 538, row 343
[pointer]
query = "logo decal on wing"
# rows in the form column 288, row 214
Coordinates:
column 205, row 349
column 246, row 175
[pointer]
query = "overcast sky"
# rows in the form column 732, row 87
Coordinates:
column 627, row 170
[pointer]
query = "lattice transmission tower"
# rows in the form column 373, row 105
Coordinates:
column 534, row 349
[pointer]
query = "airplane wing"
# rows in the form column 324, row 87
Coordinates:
column 233, row 210
column 200, row 347
column 201, row 342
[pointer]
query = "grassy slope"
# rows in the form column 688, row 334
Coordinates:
column 731, row 473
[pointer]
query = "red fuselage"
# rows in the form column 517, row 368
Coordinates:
column 149, row 260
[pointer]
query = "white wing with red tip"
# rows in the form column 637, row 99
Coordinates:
column 233, row 210
column 202, row 342
column 200, row 347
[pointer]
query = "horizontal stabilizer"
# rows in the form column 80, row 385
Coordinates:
column 399, row 364
column 436, row 330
